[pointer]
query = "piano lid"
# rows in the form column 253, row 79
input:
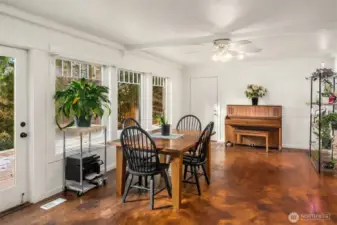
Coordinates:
column 249, row 111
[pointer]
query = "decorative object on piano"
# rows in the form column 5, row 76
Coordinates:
column 255, row 92
column 323, row 118
column 165, row 127
column 82, row 100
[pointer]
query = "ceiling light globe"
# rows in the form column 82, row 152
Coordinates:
column 240, row 57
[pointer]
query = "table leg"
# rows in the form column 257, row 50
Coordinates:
column 176, row 166
column 120, row 171
column 162, row 158
column 209, row 160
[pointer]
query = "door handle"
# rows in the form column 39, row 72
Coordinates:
column 23, row 134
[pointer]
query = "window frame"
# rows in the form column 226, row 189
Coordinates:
column 121, row 72
column 162, row 82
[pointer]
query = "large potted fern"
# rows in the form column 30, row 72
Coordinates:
column 82, row 100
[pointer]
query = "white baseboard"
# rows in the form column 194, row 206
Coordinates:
column 294, row 146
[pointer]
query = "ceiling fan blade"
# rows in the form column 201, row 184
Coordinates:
column 199, row 51
column 172, row 43
column 249, row 49
column 240, row 43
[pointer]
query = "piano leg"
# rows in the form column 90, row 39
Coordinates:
column 238, row 139
column 280, row 139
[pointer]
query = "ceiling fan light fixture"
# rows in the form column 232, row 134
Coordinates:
column 240, row 56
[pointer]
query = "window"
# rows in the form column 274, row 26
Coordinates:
column 129, row 87
column 158, row 98
column 67, row 71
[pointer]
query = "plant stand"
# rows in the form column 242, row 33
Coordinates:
column 82, row 184
column 321, row 147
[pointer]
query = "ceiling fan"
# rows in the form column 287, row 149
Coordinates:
column 225, row 49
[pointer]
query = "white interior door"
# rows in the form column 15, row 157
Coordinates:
column 204, row 101
column 13, row 128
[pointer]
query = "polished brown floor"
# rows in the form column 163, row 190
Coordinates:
column 248, row 186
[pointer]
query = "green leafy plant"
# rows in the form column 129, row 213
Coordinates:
column 328, row 122
column 324, row 73
column 255, row 91
column 327, row 89
column 82, row 99
column 162, row 120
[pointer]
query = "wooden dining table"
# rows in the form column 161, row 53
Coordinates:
column 173, row 147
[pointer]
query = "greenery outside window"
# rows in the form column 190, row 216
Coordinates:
column 129, row 92
column 158, row 98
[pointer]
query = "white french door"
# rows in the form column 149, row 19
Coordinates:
column 204, row 101
column 13, row 128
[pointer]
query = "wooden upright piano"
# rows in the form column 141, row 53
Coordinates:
column 258, row 118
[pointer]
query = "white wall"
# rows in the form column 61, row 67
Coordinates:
column 286, row 84
column 42, row 42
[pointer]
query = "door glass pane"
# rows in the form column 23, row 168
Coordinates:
column 7, row 152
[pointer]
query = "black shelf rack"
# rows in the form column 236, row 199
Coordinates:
column 317, row 154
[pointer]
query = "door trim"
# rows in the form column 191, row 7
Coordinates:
column 218, row 135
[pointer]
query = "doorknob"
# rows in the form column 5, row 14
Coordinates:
column 23, row 135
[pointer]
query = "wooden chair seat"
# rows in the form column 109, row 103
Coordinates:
column 253, row 133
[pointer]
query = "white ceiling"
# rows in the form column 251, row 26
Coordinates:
column 282, row 28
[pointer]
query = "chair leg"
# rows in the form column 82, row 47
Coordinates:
column 127, row 188
column 205, row 173
column 140, row 178
column 167, row 183
column 194, row 169
column 146, row 183
column 126, row 176
column 185, row 171
column 152, row 193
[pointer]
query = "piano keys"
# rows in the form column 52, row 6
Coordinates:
column 259, row 118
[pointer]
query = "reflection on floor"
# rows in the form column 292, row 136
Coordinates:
column 7, row 166
column 248, row 186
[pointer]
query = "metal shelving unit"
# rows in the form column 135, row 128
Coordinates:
column 85, row 183
column 318, row 109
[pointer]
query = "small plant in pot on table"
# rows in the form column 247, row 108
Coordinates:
column 255, row 92
column 165, row 127
column 82, row 100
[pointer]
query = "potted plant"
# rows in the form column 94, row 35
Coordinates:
column 330, row 165
column 328, row 123
column 82, row 100
column 255, row 92
column 165, row 127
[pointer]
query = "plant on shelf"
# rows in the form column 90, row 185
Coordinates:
column 255, row 92
column 330, row 164
column 325, row 74
column 82, row 100
column 165, row 127
column 328, row 122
